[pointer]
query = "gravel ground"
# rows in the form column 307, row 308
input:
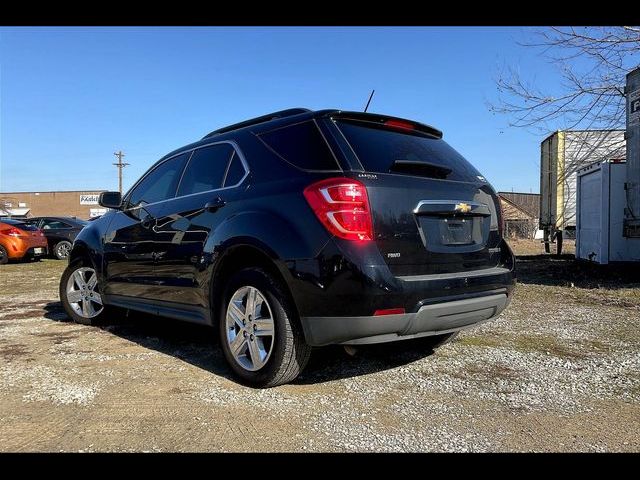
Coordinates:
column 558, row 371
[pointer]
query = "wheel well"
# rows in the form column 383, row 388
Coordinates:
column 79, row 251
column 245, row 256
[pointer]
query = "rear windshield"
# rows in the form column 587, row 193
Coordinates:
column 388, row 151
column 19, row 224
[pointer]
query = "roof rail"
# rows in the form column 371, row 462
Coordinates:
column 254, row 121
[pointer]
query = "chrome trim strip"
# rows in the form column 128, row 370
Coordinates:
column 235, row 146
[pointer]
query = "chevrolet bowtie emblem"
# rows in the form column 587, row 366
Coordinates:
column 463, row 207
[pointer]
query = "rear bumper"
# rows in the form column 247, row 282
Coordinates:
column 431, row 319
column 42, row 251
column 19, row 248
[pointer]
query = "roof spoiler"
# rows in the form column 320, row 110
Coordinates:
column 386, row 120
column 254, row 121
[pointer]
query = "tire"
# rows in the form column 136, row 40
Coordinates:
column 4, row 256
column 94, row 311
column 61, row 249
column 261, row 360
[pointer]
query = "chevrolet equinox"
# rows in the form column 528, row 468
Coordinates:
column 300, row 229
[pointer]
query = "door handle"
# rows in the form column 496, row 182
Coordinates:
column 214, row 205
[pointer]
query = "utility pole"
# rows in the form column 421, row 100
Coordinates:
column 120, row 166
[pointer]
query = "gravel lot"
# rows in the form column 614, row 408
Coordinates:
column 558, row 371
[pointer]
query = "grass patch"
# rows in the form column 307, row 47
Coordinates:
column 491, row 370
column 549, row 345
column 30, row 277
column 476, row 341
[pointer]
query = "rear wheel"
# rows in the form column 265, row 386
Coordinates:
column 61, row 249
column 80, row 295
column 4, row 257
column 259, row 333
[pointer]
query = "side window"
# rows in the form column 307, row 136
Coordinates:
column 161, row 183
column 51, row 224
column 301, row 145
column 235, row 172
column 206, row 169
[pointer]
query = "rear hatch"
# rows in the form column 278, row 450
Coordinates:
column 433, row 212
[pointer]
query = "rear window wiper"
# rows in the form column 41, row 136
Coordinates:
column 423, row 169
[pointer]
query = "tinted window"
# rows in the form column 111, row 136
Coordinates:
column 302, row 145
column 206, row 169
column 21, row 224
column 384, row 151
column 50, row 224
column 235, row 172
column 161, row 183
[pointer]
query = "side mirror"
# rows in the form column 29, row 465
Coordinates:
column 110, row 200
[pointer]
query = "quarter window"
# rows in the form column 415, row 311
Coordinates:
column 301, row 145
column 235, row 172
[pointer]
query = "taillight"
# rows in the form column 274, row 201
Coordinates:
column 342, row 206
column 399, row 124
column 13, row 231
column 389, row 311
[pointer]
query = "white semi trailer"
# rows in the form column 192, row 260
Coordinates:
column 562, row 154
column 608, row 207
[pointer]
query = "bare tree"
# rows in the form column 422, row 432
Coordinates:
column 592, row 63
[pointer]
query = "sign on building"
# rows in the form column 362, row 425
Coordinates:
column 96, row 212
column 89, row 199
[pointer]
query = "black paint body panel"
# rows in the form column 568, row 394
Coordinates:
column 168, row 254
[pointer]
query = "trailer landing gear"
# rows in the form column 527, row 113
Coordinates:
column 553, row 237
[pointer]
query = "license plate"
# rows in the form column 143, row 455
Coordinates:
column 456, row 232
column 38, row 250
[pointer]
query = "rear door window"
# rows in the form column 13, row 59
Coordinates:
column 302, row 145
column 206, row 169
column 383, row 150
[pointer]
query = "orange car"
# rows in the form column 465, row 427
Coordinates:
column 20, row 240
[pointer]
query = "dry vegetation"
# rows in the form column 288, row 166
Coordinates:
column 559, row 370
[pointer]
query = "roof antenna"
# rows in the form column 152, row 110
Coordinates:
column 370, row 97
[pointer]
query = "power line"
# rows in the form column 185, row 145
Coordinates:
column 120, row 166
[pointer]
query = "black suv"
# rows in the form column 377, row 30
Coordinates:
column 60, row 232
column 298, row 229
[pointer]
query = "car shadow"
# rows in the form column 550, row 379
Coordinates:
column 566, row 271
column 198, row 345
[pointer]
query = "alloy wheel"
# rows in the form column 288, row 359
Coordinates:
column 82, row 293
column 249, row 328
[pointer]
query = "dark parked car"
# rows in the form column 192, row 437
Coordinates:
column 298, row 229
column 60, row 232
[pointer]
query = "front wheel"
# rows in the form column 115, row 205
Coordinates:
column 259, row 333
column 80, row 295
